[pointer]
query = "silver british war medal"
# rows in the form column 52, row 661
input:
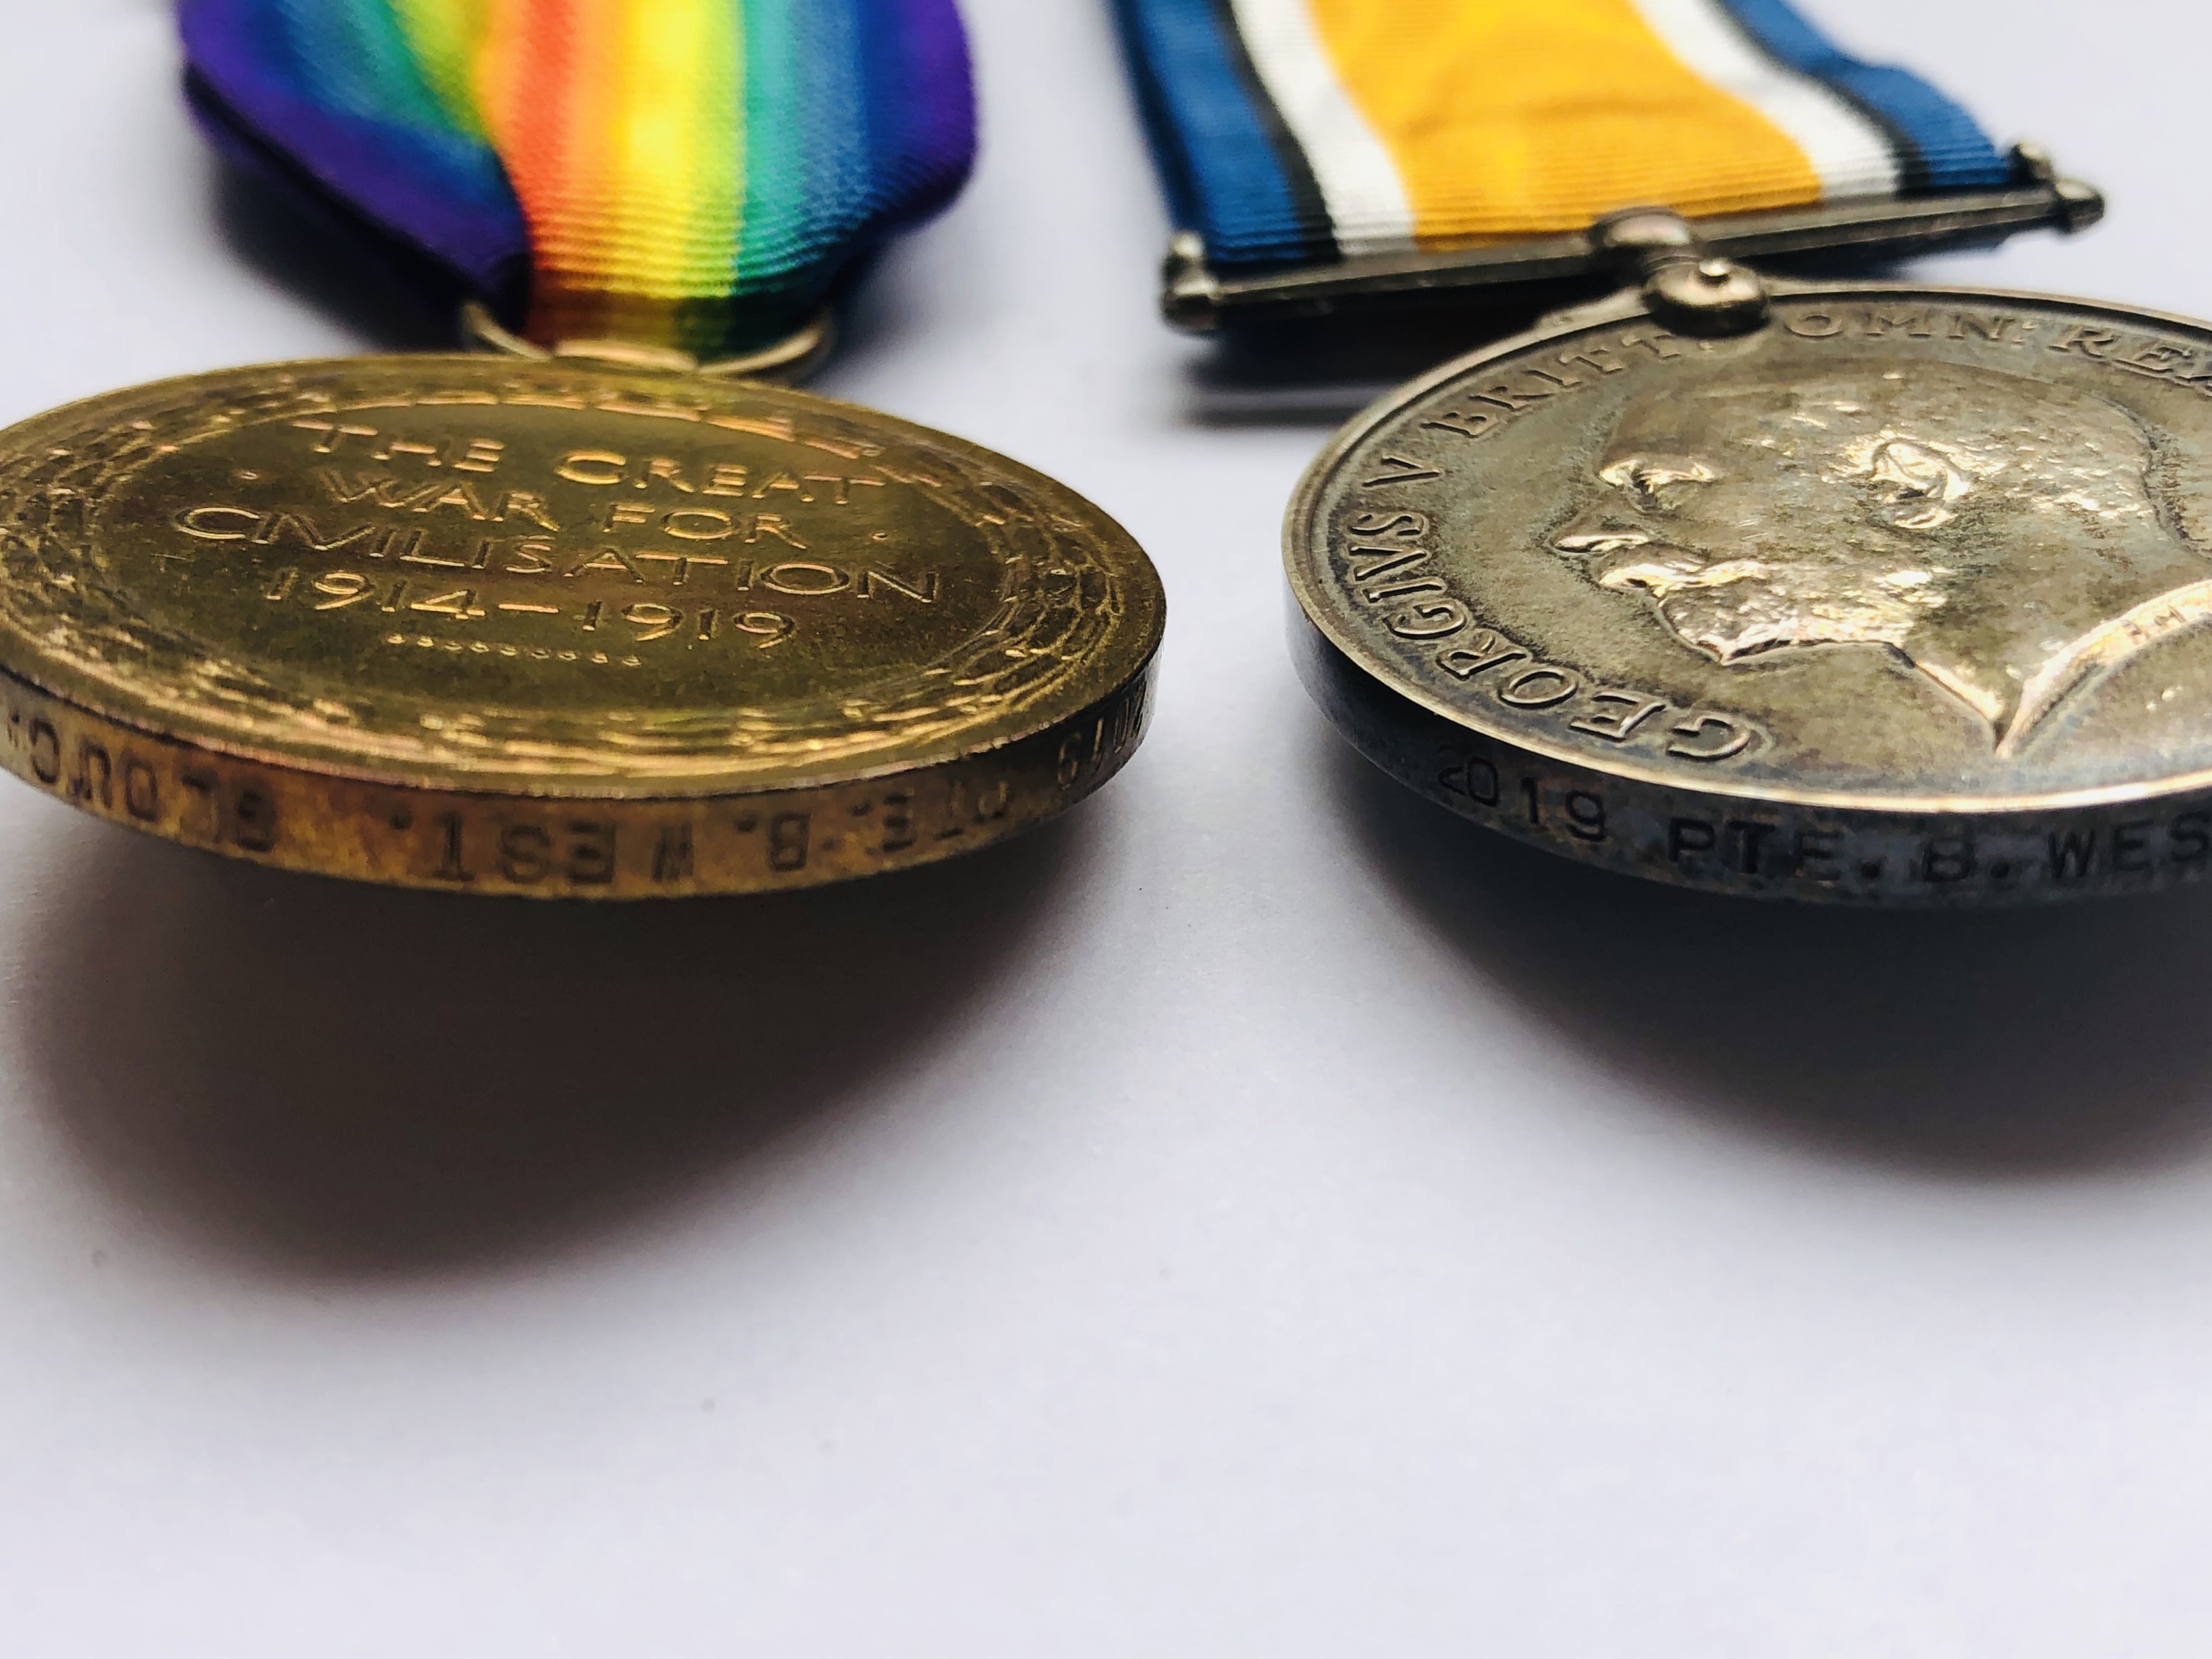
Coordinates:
column 1853, row 591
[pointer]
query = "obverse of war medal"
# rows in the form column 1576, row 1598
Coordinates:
column 600, row 613
column 1849, row 593
column 1901, row 596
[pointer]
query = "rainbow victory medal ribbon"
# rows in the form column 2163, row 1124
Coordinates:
column 700, row 175
column 1311, row 133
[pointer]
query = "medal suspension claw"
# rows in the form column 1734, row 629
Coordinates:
column 1687, row 287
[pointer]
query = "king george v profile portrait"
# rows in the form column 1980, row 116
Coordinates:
column 2007, row 538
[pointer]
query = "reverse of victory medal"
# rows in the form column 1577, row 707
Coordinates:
column 559, row 630
column 1901, row 599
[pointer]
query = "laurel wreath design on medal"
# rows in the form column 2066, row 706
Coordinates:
column 1062, row 598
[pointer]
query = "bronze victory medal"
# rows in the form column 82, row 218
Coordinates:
column 1905, row 597
column 558, row 628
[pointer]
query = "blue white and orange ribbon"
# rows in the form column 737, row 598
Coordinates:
column 695, row 174
column 1295, row 131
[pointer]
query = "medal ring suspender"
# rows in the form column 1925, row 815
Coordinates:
column 1833, row 591
column 603, row 614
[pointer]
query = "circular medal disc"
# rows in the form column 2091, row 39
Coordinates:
column 555, row 629
column 1905, row 597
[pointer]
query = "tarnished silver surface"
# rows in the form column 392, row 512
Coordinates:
column 1904, row 597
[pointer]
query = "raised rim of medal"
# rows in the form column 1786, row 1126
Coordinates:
column 1627, row 307
column 1134, row 649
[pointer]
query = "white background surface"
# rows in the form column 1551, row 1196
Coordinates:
column 1259, row 1216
